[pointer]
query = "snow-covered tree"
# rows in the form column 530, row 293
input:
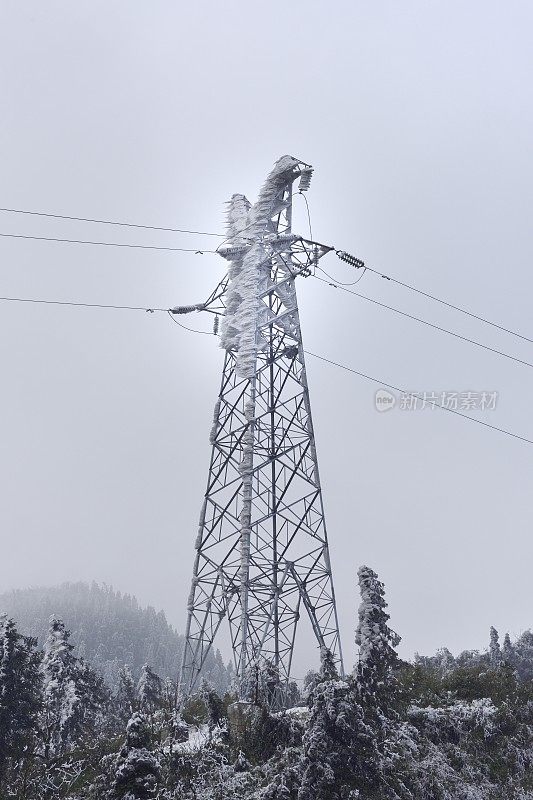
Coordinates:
column 149, row 690
column 270, row 692
column 311, row 679
column 508, row 651
column 377, row 657
column 137, row 770
column 213, row 704
column 338, row 747
column 495, row 655
column 74, row 697
column 20, row 686
column 61, row 698
column 328, row 666
column 523, row 649
column 108, row 629
column 125, row 699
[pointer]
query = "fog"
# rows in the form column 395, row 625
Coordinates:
column 418, row 120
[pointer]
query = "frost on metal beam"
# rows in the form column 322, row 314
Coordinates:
column 248, row 249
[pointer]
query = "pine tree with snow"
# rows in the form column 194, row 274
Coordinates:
column 338, row 748
column 508, row 651
column 495, row 655
column 95, row 699
column 61, row 698
column 20, row 687
column 172, row 724
column 328, row 666
column 311, row 679
column 137, row 770
column 125, row 698
column 74, row 697
column 149, row 690
column 213, row 704
column 376, row 641
column 270, row 689
column 445, row 660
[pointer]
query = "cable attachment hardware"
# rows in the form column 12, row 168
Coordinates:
column 352, row 260
column 187, row 309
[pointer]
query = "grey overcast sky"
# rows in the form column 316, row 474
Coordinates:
column 417, row 117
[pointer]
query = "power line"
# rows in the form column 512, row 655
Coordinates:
column 108, row 222
column 185, row 328
column 425, row 322
column 406, row 393
column 341, row 283
column 344, row 256
column 413, row 394
column 308, row 214
column 105, row 244
column 307, row 352
column 80, row 305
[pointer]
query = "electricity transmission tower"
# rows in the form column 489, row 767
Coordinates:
column 261, row 551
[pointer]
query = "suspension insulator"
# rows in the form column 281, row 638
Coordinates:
column 305, row 180
column 215, row 324
column 352, row 260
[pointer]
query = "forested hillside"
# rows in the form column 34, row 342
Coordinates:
column 441, row 728
column 108, row 629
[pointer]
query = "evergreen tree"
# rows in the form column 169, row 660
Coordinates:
column 338, row 748
column 108, row 629
column 125, row 700
column 20, row 700
column 74, row 697
column 270, row 690
column 523, row 650
column 508, row 652
column 446, row 661
column 311, row 680
column 94, row 700
column 377, row 657
column 495, row 654
column 328, row 667
column 213, row 704
column 149, row 690
column 61, row 698
column 177, row 729
column 137, row 770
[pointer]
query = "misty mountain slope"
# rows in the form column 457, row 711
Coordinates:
column 108, row 629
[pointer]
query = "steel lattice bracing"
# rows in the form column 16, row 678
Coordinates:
column 261, row 552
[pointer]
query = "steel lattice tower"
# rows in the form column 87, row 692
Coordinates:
column 262, row 550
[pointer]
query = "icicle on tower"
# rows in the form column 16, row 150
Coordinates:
column 262, row 554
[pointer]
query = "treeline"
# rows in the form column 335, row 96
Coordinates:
column 108, row 629
column 441, row 728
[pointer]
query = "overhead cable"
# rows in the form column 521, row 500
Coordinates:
column 108, row 222
column 105, row 244
column 414, row 395
column 358, row 264
column 80, row 305
column 427, row 323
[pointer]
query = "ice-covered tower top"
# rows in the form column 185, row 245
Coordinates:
column 247, row 227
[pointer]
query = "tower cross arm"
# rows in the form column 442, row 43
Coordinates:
column 214, row 303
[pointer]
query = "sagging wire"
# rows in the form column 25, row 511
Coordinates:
column 181, row 325
column 341, row 283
